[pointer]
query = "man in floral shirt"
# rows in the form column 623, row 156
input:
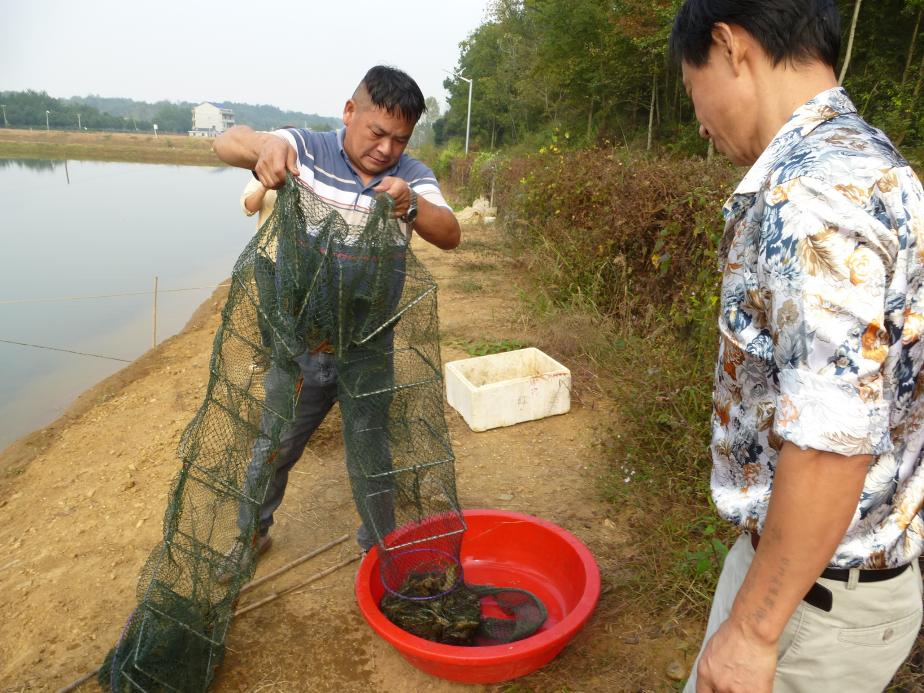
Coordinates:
column 818, row 424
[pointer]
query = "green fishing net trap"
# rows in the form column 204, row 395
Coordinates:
column 308, row 282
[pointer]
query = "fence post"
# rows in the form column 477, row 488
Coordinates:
column 154, row 344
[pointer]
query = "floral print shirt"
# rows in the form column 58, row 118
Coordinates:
column 822, row 314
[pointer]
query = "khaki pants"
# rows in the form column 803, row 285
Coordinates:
column 856, row 647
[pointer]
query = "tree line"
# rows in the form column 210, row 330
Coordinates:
column 25, row 109
column 36, row 109
column 594, row 70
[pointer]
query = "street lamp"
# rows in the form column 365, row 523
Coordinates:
column 46, row 120
column 468, row 118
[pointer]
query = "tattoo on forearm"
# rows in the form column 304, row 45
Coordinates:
column 774, row 588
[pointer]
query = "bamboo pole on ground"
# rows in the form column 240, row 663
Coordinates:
column 287, row 590
column 297, row 561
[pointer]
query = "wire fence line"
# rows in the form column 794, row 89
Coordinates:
column 17, row 301
column 67, row 351
column 155, row 292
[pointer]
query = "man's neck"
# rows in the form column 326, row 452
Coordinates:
column 784, row 89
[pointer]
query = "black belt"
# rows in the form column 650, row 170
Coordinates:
column 820, row 596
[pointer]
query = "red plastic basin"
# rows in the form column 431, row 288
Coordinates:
column 502, row 549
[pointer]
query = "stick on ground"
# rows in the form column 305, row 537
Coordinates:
column 297, row 561
column 313, row 578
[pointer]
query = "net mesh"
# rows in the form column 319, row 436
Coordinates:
column 310, row 282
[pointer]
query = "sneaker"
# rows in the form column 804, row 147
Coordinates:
column 237, row 560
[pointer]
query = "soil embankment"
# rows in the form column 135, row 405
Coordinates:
column 142, row 148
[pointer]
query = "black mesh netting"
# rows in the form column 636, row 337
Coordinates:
column 309, row 282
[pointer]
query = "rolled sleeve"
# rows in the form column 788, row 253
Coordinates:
column 423, row 182
column 821, row 255
column 826, row 414
column 249, row 189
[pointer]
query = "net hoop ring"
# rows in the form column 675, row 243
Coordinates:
column 442, row 557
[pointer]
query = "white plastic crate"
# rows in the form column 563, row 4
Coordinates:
column 507, row 388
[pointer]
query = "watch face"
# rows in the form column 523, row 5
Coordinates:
column 411, row 213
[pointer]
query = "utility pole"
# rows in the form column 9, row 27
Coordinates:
column 46, row 120
column 468, row 117
column 5, row 124
column 78, row 122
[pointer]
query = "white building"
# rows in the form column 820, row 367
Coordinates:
column 209, row 120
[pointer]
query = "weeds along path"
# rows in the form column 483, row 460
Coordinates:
column 82, row 502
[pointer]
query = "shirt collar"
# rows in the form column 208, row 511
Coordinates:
column 822, row 108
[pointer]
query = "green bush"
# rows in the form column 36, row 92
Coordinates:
column 631, row 243
column 603, row 220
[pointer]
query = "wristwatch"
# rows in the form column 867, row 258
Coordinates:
column 411, row 214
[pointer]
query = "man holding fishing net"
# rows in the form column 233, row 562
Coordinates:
column 348, row 169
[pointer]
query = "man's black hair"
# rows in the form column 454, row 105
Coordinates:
column 395, row 92
column 795, row 31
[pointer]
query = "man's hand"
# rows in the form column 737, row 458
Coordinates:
column 275, row 158
column 267, row 155
column 400, row 192
column 736, row 661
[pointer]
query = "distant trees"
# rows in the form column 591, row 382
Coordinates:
column 27, row 109
column 423, row 132
column 171, row 117
column 598, row 69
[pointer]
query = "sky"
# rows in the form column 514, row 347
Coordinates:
column 298, row 55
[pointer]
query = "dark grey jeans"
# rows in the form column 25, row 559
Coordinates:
column 362, row 382
column 365, row 433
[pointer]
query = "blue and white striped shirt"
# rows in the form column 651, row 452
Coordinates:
column 325, row 168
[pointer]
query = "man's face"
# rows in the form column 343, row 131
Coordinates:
column 374, row 139
column 726, row 106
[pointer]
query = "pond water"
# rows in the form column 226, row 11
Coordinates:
column 95, row 229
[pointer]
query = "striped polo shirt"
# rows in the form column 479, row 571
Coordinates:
column 325, row 168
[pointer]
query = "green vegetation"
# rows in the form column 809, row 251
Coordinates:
column 623, row 253
column 597, row 71
column 25, row 109
column 468, row 286
column 484, row 347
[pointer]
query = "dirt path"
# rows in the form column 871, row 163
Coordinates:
column 81, row 504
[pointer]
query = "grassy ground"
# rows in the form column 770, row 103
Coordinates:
column 106, row 146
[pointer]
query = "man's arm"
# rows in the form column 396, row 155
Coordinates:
column 435, row 224
column 261, row 152
column 815, row 495
column 254, row 201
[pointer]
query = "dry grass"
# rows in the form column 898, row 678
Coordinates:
column 106, row 146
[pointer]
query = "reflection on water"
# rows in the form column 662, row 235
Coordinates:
column 110, row 231
column 32, row 164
